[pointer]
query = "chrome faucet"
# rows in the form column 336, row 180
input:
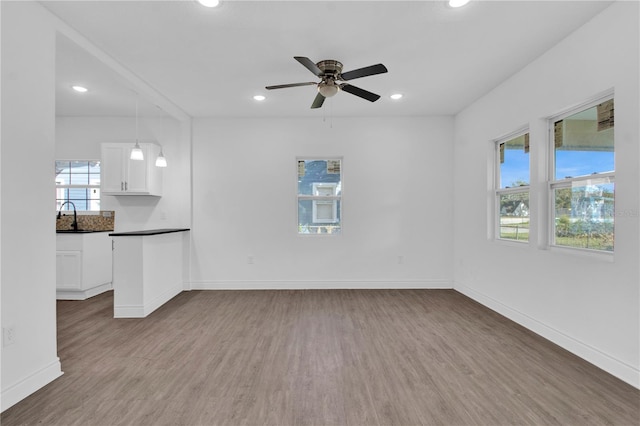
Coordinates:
column 74, row 225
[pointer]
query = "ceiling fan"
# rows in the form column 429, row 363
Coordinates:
column 331, row 78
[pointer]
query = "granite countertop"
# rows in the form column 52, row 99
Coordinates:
column 81, row 231
column 148, row 232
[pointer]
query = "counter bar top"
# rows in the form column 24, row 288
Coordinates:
column 80, row 231
column 148, row 232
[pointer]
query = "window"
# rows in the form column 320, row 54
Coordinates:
column 319, row 196
column 583, row 177
column 512, row 187
column 79, row 183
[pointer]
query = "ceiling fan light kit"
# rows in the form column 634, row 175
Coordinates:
column 209, row 3
column 457, row 3
column 328, row 89
column 333, row 80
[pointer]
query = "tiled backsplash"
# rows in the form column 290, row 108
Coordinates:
column 103, row 221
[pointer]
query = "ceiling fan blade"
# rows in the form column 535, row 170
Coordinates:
column 364, row 72
column 284, row 86
column 309, row 64
column 318, row 101
column 364, row 94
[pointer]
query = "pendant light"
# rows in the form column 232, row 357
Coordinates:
column 161, row 161
column 136, row 152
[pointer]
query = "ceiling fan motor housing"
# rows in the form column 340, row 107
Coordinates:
column 330, row 67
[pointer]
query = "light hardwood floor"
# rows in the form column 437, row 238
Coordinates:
column 323, row 357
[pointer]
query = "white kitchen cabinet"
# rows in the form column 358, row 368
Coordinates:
column 68, row 270
column 84, row 265
column 122, row 176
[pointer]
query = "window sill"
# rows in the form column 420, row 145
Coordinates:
column 605, row 256
column 511, row 243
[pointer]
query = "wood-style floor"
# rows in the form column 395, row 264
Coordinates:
column 322, row 357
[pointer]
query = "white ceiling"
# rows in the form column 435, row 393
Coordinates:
column 210, row 62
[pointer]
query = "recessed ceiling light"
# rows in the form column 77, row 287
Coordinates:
column 396, row 96
column 458, row 3
column 259, row 98
column 209, row 3
column 79, row 89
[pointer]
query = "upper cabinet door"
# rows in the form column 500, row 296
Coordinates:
column 137, row 171
column 112, row 168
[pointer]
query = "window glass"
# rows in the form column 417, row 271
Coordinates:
column 319, row 196
column 584, row 215
column 514, row 216
column 514, row 162
column 584, row 145
column 512, row 188
column 79, row 183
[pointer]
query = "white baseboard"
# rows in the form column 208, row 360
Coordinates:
column 141, row 311
column 625, row 372
column 319, row 284
column 128, row 311
column 25, row 387
column 82, row 294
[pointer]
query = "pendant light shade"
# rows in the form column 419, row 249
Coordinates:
column 161, row 161
column 136, row 152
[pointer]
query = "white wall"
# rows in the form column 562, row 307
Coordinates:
column 80, row 138
column 28, row 236
column 589, row 305
column 397, row 202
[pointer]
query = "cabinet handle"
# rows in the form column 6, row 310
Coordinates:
column 125, row 186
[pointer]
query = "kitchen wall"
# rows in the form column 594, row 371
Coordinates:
column 397, row 203
column 27, row 220
column 79, row 138
column 587, row 304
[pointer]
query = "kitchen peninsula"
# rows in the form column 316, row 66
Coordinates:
column 148, row 270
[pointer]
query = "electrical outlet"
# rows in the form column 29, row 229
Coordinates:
column 8, row 336
column 400, row 260
column 250, row 260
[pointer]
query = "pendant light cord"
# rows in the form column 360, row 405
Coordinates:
column 136, row 118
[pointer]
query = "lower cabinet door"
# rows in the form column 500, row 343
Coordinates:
column 69, row 270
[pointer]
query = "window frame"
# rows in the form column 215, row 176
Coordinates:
column 569, row 182
column 499, row 191
column 78, row 186
column 335, row 199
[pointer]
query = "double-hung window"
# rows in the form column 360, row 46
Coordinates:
column 512, row 187
column 582, row 184
column 78, row 182
column 319, row 196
